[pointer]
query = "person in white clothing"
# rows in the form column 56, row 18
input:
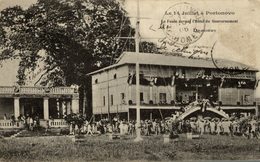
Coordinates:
column 212, row 126
column 89, row 129
column 85, row 126
column 201, row 126
column 121, row 128
column 226, row 127
column 219, row 127
column 31, row 123
column 253, row 127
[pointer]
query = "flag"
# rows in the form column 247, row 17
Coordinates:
column 155, row 80
column 151, row 81
column 177, row 74
column 222, row 81
column 204, row 105
column 130, row 78
column 239, row 84
column 256, row 83
column 173, row 80
column 200, row 74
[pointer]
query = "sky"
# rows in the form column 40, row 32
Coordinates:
column 238, row 42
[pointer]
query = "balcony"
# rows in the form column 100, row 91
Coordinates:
column 23, row 90
column 178, row 105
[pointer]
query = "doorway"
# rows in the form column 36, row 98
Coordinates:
column 32, row 107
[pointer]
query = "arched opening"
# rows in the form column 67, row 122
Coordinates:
column 204, row 114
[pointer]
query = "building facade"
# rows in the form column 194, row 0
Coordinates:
column 169, row 82
column 46, row 103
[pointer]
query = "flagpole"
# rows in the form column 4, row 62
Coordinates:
column 137, row 69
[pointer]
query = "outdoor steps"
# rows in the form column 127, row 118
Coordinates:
column 17, row 134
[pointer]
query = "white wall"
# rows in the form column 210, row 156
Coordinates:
column 116, row 87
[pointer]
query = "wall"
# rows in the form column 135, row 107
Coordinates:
column 185, row 94
column 154, row 71
column 230, row 96
column 116, row 86
column 6, row 107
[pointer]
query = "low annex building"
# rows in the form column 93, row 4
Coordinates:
column 168, row 82
column 47, row 103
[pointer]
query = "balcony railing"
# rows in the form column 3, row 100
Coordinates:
column 179, row 104
column 58, row 123
column 6, row 90
column 54, row 123
column 37, row 90
column 8, row 124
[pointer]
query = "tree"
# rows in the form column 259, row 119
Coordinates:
column 77, row 37
column 71, row 38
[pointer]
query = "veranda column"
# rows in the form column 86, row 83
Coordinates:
column 238, row 96
column 75, row 104
column 151, row 93
column 173, row 93
column 16, row 107
column 219, row 94
column 68, row 107
column 64, row 109
column 129, row 93
column 46, row 108
column 197, row 93
column 257, row 110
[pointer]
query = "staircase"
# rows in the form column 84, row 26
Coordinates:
column 18, row 133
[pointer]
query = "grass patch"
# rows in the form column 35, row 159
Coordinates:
column 8, row 133
column 99, row 148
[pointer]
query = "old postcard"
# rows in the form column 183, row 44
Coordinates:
column 129, row 80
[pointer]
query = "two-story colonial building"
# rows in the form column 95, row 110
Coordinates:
column 167, row 82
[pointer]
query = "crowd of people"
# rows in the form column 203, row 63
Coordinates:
column 30, row 122
column 122, row 127
column 234, row 126
column 244, row 126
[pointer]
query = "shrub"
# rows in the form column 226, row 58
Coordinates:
column 64, row 132
column 77, row 119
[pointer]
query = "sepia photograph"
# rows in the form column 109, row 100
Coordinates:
column 129, row 80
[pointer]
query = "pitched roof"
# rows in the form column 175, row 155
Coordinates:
column 170, row 60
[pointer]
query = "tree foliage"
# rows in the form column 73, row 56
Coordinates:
column 76, row 37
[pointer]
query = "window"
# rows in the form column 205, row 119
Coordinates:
column 122, row 98
column 246, row 98
column 96, row 81
column 141, row 96
column 112, row 100
column 115, row 76
column 104, row 101
column 162, row 97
